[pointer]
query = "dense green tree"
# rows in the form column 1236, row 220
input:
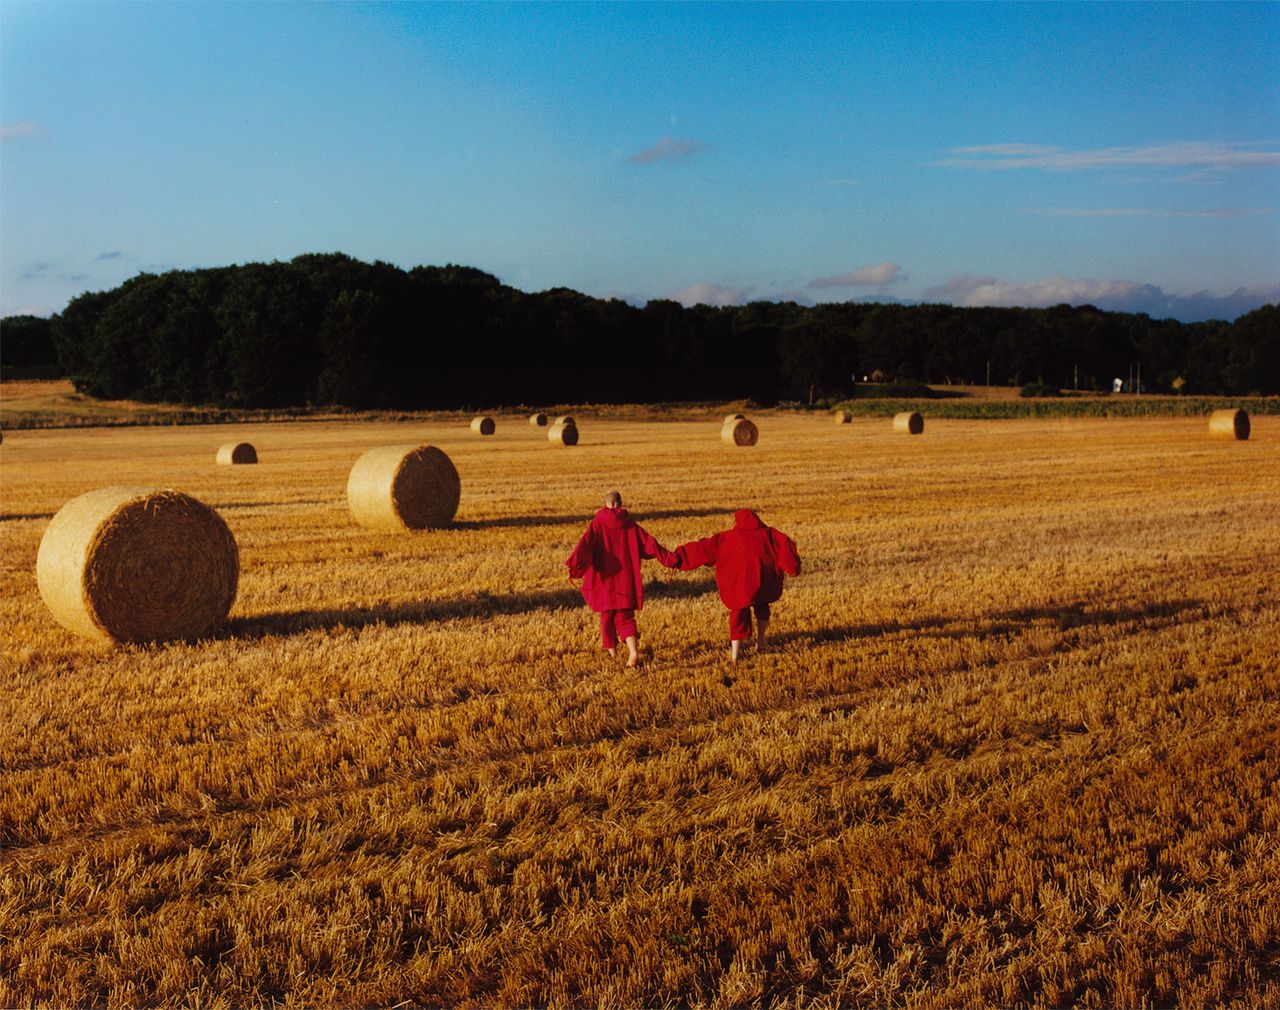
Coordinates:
column 27, row 342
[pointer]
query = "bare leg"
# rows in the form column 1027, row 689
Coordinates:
column 761, row 624
column 613, row 651
column 633, row 648
column 734, row 647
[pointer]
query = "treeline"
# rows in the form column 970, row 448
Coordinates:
column 331, row 330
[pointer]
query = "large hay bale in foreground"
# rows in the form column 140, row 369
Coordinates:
column 842, row 417
column 1233, row 424
column 538, row 420
column 908, row 422
column 236, row 453
column 483, row 425
column 138, row 565
column 739, row 432
column 563, row 432
column 403, row 487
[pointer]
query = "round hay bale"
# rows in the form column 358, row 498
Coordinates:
column 563, row 434
column 138, row 565
column 483, row 425
column 1233, row 424
column 538, row 420
column 403, row 487
column 842, row 417
column 739, row 432
column 563, row 419
column 909, row 422
column 235, row 453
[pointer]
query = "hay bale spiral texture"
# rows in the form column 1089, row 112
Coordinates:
column 483, row 425
column 563, row 432
column 1232, row 424
column 403, row 487
column 739, row 432
column 908, row 422
column 236, row 453
column 538, row 420
column 138, row 565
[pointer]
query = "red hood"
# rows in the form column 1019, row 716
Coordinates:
column 745, row 519
column 614, row 517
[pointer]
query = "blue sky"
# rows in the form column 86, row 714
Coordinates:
column 1126, row 155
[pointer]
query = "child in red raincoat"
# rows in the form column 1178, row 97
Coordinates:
column 607, row 559
column 751, row 561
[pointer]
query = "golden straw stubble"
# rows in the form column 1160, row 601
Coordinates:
column 403, row 487
column 138, row 565
column 1230, row 424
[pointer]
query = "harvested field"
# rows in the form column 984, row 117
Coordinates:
column 1016, row 740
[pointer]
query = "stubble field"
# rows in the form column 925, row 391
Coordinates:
column 1016, row 740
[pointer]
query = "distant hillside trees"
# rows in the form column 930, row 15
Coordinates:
column 329, row 329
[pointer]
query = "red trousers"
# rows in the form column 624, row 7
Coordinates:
column 615, row 624
column 740, row 621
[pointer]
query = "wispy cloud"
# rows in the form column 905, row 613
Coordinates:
column 20, row 131
column 668, row 149
column 113, row 255
column 874, row 276
column 1186, row 154
column 1117, row 295
column 713, row 294
column 1146, row 212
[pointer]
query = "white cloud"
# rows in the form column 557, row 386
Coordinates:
column 718, row 295
column 873, row 276
column 19, row 131
column 668, row 149
column 1186, row 154
column 1117, row 295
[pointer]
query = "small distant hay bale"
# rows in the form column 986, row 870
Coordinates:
column 1232, row 424
column 563, row 432
column 483, row 425
column 739, row 431
column 138, row 565
column 403, row 487
column 908, row 422
column 538, row 420
column 563, row 419
column 842, row 417
column 236, row 453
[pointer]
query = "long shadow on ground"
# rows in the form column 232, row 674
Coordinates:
column 477, row 604
column 1011, row 622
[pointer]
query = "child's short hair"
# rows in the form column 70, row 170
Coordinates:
column 613, row 500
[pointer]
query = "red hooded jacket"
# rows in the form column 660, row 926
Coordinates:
column 751, row 560
column 607, row 559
